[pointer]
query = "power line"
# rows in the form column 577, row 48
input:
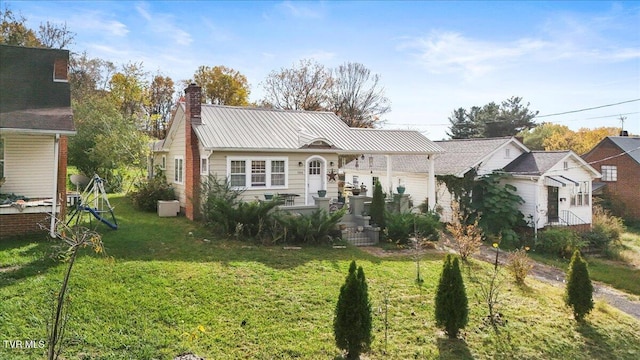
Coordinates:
column 586, row 109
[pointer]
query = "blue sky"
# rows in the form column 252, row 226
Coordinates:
column 433, row 57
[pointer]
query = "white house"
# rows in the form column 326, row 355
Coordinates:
column 291, row 153
column 556, row 187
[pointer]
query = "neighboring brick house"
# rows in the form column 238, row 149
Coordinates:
column 35, row 120
column 618, row 159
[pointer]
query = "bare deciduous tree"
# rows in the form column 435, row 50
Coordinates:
column 303, row 87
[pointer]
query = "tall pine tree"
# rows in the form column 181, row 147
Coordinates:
column 352, row 322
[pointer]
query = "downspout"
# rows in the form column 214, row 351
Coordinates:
column 432, row 183
column 54, row 199
column 535, row 211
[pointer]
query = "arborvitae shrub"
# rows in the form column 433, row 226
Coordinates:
column 579, row 292
column 352, row 322
column 377, row 209
column 452, row 309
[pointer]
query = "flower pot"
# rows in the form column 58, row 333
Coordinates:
column 355, row 192
column 322, row 193
column 400, row 189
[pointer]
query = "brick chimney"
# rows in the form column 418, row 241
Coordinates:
column 192, row 151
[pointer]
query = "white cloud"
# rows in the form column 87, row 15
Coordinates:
column 302, row 10
column 164, row 25
column 99, row 23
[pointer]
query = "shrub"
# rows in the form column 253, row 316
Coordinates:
column 606, row 230
column 402, row 226
column 519, row 264
column 352, row 321
column 451, row 307
column 225, row 213
column 148, row 192
column 315, row 228
column 579, row 291
column 378, row 207
column 559, row 241
column 468, row 238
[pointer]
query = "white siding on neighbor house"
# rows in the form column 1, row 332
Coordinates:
column 28, row 165
column 577, row 173
column 295, row 177
column 500, row 159
column 526, row 189
column 443, row 200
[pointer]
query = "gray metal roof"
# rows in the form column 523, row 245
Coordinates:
column 257, row 129
column 459, row 156
column 629, row 144
column 462, row 155
column 535, row 162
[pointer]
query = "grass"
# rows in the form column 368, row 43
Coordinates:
column 622, row 274
column 169, row 287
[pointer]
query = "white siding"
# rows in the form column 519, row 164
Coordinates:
column 177, row 148
column 295, row 177
column 500, row 159
column 577, row 173
column 28, row 167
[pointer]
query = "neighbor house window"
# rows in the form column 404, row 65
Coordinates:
column 257, row 173
column 204, row 166
column 60, row 70
column 178, row 163
column 609, row 172
column 1, row 158
column 565, row 165
column 356, row 182
column 163, row 164
column 580, row 196
column 507, row 153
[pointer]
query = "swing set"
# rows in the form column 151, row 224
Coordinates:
column 93, row 201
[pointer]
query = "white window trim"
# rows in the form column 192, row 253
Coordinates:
column 163, row 162
column 178, row 179
column 204, row 170
column 247, row 173
column 608, row 173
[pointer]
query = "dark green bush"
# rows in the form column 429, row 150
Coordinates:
column 225, row 213
column 352, row 321
column 402, row 226
column 451, row 308
column 148, row 192
column 316, row 228
column 579, row 291
column 378, row 207
column 559, row 241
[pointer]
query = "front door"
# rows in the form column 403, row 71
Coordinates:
column 314, row 180
column 552, row 204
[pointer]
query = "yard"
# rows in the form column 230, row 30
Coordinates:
column 168, row 287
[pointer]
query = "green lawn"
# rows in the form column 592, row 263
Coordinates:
column 163, row 291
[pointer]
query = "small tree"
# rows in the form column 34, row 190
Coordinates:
column 468, row 237
column 452, row 309
column 377, row 208
column 352, row 322
column 579, row 292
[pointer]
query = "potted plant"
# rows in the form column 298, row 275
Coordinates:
column 400, row 188
column 322, row 193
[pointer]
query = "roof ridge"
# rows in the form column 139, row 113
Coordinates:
column 266, row 109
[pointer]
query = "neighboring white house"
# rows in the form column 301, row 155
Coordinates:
column 458, row 158
column 291, row 153
column 556, row 187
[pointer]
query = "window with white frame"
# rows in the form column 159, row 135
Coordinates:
column 178, row 166
column 609, row 172
column 163, row 163
column 580, row 196
column 507, row 153
column 204, row 165
column 565, row 165
column 257, row 173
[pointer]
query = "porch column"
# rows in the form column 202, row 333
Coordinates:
column 431, row 191
column 388, row 157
